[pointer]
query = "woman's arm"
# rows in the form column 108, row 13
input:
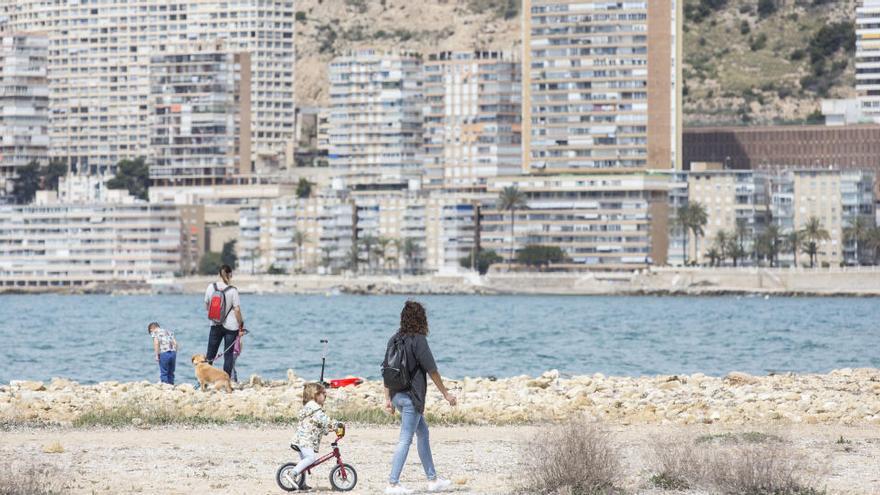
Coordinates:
column 451, row 399
column 388, row 405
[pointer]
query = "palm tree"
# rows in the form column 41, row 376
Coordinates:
column 872, row 241
column 735, row 250
column 682, row 223
column 741, row 233
column 411, row 250
column 722, row 238
column 697, row 219
column 299, row 238
column 713, row 255
column 857, row 231
column 769, row 243
column 381, row 250
column 511, row 199
column 368, row 241
column 793, row 242
column 326, row 258
column 813, row 232
column 255, row 253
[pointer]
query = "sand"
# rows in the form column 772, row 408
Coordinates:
column 482, row 460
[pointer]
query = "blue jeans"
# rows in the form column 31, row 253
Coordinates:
column 411, row 423
column 167, row 362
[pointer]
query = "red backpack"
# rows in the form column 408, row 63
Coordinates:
column 217, row 311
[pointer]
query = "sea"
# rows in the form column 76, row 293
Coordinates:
column 95, row 338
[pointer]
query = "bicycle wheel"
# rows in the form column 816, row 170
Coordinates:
column 343, row 479
column 286, row 479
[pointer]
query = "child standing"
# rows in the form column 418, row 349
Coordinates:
column 165, row 348
column 313, row 424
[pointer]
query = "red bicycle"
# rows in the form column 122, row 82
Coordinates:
column 343, row 477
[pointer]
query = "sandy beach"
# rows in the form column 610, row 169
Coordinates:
column 480, row 459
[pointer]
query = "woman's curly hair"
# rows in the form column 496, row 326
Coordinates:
column 413, row 319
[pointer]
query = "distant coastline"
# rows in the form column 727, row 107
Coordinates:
column 837, row 282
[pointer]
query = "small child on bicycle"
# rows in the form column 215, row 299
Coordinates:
column 313, row 424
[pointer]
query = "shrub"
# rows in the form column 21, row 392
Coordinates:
column 758, row 43
column 752, row 463
column 745, row 28
column 29, row 478
column 485, row 259
column 577, row 457
column 300, row 16
column 766, row 8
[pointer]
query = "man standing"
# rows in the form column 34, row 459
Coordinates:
column 224, row 310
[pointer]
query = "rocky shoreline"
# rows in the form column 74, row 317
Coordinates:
column 841, row 397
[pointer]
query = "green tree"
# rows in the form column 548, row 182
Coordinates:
column 411, row 251
column 742, row 234
column 133, row 175
column 511, row 199
column 299, row 238
column 857, row 232
column 713, row 255
column 770, row 243
column 303, row 188
column 812, row 234
column 368, row 242
column 228, row 256
column 735, row 250
column 276, row 270
column 210, row 263
column 872, row 243
column 381, row 250
column 722, row 241
column 793, row 242
column 681, row 224
column 537, row 255
column 697, row 219
column 27, row 183
column 485, row 259
column 326, row 258
column 54, row 171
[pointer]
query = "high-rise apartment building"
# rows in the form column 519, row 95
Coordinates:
column 376, row 117
column 868, row 57
column 472, row 118
column 99, row 69
column 601, row 85
column 200, row 128
column 24, row 104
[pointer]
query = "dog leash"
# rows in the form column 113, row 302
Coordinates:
column 222, row 355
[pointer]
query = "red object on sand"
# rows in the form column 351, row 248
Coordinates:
column 344, row 382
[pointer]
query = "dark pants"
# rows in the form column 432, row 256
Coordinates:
column 220, row 333
column 167, row 362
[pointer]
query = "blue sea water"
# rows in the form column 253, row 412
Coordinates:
column 95, row 338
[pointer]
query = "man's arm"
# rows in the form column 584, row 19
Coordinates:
column 451, row 399
column 156, row 347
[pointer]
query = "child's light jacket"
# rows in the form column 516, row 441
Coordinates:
column 313, row 424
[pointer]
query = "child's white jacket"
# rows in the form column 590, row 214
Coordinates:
column 313, row 424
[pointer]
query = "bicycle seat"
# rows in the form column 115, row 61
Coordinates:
column 295, row 447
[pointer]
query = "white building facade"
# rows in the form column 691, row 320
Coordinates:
column 868, row 57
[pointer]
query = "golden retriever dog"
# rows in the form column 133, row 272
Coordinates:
column 206, row 374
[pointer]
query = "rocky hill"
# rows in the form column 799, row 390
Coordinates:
column 746, row 61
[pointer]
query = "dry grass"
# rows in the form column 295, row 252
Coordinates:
column 29, row 478
column 749, row 463
column 54, row 448
column 576, row 458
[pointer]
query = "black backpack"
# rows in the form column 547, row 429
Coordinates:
column 395, row 367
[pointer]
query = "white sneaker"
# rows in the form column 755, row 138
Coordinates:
column 438, row 484
column 397, row 489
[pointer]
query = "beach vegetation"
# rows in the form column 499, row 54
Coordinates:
column 578, row 456
column 754, row 463
column 19, row 477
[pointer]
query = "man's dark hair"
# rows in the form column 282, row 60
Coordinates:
column 413, row 319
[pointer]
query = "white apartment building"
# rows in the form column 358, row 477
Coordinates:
column 376, row 117
column 601, row 85
column 200, row 115
column 473, row 118
column 601, row 221
column 868, row 57
column 24, row 104
column 99, row 69
column 63, row 245
column 835, row 197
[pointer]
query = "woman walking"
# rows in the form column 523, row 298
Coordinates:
column 418, row 360
column 224, row 311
